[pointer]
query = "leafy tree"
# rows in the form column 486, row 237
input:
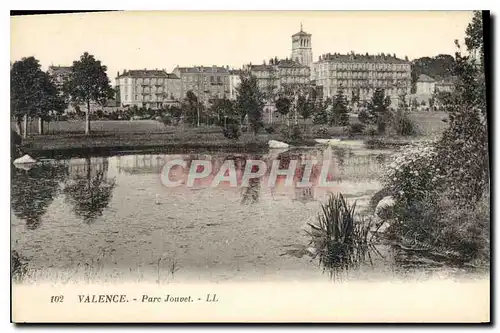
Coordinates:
column 463, row 147
column 378, row 109
column 340, row 110
column 438, row 67
column 191, row 108
column 305, row 107
column 283, row 105
column 223, row 108
column 88, row 82
column 250, row 101
column 320, row 116
column 32, row 92
column 474, row 35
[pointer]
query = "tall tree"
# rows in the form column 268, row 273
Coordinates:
column 463, row 147
column 88, row 83
column 305, row 107
column 32, row 93
column 191, row 108
column 340, row 110
column 283, row 105
column 224, row 109
column 250, row 101
column 378, row 109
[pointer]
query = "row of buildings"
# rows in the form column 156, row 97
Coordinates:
column 358, row 75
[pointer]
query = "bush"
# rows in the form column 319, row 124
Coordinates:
column 296, row 133
column 356, row 129
column 402, row 124
column 232, row 131
column 322, row 131
column 292, row 133
column 364, row 117
column 270, row 129
column 371, row 131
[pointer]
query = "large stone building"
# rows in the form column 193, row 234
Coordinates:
column 359, row 75
column 234, row 82
column 148, row 88
column 280, row 76
column 207, row 83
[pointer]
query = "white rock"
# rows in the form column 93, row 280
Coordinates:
column 384, row 204
column 277, row 144
column 26, row 159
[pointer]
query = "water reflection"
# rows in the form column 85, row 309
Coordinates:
column 34, row 189
column 88, row 189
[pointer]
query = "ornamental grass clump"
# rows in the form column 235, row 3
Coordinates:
column 341, row 237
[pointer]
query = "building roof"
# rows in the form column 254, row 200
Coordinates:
column 284, row 63
column 203, row 69
column 60, row 69
column 365, row 58
column 235, row 71
column 147, row 73
column 301, row 33
column 425, row 78
column 288, row 63
column 451, row 80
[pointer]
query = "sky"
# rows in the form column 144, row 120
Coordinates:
column 165, row 39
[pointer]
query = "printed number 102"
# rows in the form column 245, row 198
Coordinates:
column 56, row 299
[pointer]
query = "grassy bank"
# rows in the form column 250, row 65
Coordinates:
column 66, row 138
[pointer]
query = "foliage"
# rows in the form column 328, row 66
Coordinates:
column 33, row 92
column 414, row 173
column 378, row 110
column 283, row 105
column 88, row 82
column 223, row 108
column 463, row 147
column 356, row 128
column 340, row 111
column 320, row 116
column 191, row 108
column 364, row 117
column 340, row 241
column 438, row 67
column 402, row 124
column 232, row 131
column 305, row 108
column 250, row 102
column 322, row 131
column 270, row 129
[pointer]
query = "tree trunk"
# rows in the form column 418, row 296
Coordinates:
column 25, row 126
column 87, row 119
column 40, row 125
column 19, row 128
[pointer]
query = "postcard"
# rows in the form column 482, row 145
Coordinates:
column 250, row 167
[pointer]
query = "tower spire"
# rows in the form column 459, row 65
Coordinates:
column 300, row 26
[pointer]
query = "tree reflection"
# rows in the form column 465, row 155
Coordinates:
column 33, row 190
column 89, row 190
column 251, row 193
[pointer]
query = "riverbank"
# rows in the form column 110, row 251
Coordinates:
column 53, row 146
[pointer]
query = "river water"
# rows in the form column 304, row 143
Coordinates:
column 112, row 218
